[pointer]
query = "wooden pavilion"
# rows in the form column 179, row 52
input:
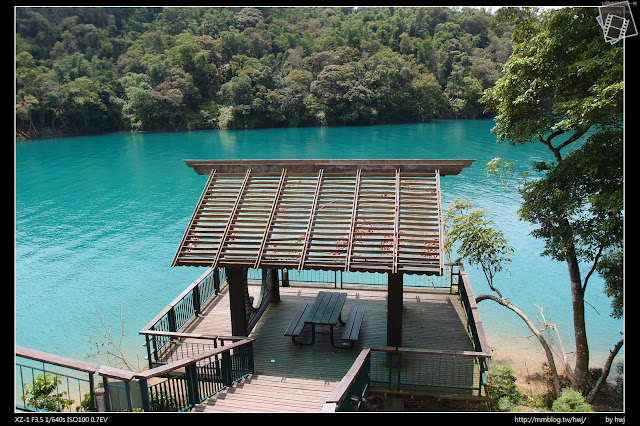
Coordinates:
column 342, row 215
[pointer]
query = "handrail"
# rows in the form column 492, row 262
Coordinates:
column 227, row 364
column 350, row 381
column 412, row 351
column 180, row 311
column 199, row 381
column 472, row 312
column 63, row 399
column 167, row 368
column 55, row 360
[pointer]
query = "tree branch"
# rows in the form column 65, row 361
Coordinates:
column 534, row 329
column 106, row 345
column 593, row 268
column 605, row 372
column 562, row 353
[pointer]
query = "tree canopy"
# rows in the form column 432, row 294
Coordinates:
column 99, row 69
column 563, row 84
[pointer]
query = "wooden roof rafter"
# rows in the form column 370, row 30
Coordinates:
column 354, row 212
column 225, row 233
column 314, row 206
column 195, row 213
column 267, row 228
column 396, row 224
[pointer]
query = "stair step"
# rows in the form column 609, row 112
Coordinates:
column 259, row 393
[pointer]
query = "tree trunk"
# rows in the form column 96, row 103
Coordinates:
column 581, row 370
column 534, row 329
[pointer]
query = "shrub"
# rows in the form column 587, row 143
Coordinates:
column 40, row 394
column 505, row 394
column 570, row 401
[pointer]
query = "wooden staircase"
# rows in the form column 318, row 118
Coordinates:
column 259, row 393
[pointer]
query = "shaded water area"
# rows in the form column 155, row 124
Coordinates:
column 98, row 220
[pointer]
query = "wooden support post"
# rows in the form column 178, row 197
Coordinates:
column 276, row 286
column 236, row 285
column 394, row 310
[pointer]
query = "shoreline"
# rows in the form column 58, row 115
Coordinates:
column 526, row 356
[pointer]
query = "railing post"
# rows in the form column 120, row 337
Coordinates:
column 226, row 373
column 196, row 300
column 148, row 345
column 171, row 318
column 191, row 375
column 127, row 391
column 144, row 394
column 216, row 280
column 250, row 355
column 107, row 397
column 92, row 392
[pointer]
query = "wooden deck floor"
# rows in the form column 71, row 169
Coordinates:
column 431, row 320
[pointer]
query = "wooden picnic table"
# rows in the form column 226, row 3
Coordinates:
column 326, row 310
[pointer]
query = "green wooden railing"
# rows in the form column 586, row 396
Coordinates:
column 421, row 370
column 193, row 379
column 342, row 279
column 176, row 386
column 348, row 395
column 184, row 307
column 68, row 381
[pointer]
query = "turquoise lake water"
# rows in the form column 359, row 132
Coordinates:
column 98, row 220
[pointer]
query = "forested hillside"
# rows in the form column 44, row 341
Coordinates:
column 104, row 69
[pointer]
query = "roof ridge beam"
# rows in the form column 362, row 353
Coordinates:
column 312, row 166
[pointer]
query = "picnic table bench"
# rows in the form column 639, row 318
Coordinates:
column 326, row 310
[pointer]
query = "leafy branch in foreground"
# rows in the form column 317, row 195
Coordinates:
column 503, row 171
column 487, row 248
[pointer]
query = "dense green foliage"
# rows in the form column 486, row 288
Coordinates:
column 571, row 401
column 44, row 393
column 98, row 69
column 562, row 84
column 505, row 394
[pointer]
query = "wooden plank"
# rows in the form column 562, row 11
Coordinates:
column 353, row 323
column 318, row 307
column 297, row 324
column 332, row 312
